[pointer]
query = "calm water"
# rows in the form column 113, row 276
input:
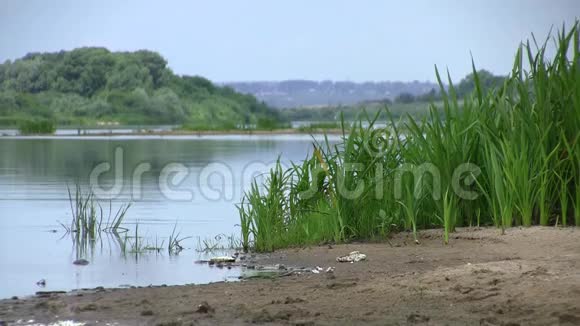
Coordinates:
column 192, row 182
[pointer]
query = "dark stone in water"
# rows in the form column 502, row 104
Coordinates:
column 81, row 262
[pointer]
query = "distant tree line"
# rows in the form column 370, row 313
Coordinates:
column 309, row 93
column 464, row 88
column 404, row 103
column 86, row 85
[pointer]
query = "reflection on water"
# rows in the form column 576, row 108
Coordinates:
column 35, row 173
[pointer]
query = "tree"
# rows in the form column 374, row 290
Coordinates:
column 155, row 63
column 487, row 80
column 430, row 96
column 405, row 98
column 129, row 77
column 94, row 77
column 167, row 106
column 8, row 103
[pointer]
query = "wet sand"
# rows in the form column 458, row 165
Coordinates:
column 525, row 277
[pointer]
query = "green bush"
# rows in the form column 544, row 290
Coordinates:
column 270, row 124
column 37, row 126
column 9, row 121
column 215, row 126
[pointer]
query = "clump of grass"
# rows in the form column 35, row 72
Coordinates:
column 88, row 219
column 174, row 244
column 89, row 222
column 522, row 138
column 220, row 242
column 270, row 208
column 36, row 126
column 138, row 244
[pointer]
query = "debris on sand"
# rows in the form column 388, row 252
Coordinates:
column 223, row 259
column 318, row 270
column 147, row 313
column 353, row 257
column 204, row 308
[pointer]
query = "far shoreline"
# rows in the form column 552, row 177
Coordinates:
column 276, row 132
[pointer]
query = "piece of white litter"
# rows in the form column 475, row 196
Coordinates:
column 315, row 271
column 67, row 323
column 319, row 268
column 222, row 259
column 58, row 323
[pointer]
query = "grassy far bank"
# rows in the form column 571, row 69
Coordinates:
column 417, row 109
column 507, row 156
column 89, row 86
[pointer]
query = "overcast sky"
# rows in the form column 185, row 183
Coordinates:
column 293, row 39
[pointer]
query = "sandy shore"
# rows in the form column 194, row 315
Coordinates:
column 525, row 277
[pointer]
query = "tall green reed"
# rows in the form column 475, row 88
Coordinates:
column 522, row 137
